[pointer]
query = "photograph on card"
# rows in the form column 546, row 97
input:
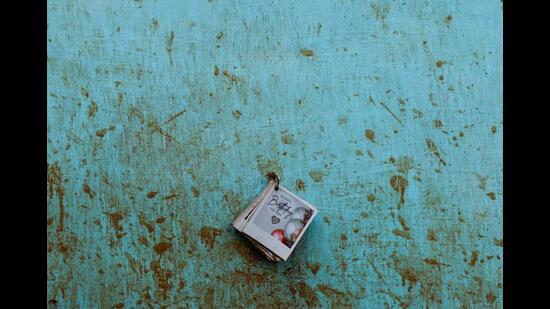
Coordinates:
column 283, row 217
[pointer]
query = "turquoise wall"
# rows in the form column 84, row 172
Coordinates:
column 164, row 117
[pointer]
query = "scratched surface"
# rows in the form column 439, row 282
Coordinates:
column 164, row 117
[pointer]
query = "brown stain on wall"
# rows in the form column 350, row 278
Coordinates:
column 308, row 294
column 86, row 189
column 208, row 235
column 370, row 135
column 161, row 247
column 169, row 48
column 92, row 109
column 473, row 258
column 433, row 148
column 300, row 185
column 399, row 184
column 152, row 194
column 246, row 251
column 338, row 299
column 115, row 219
column 306, row 52
column 148, row 225
column 162, row 279
column 55, row 185
column 316, row 175
column 314, row 267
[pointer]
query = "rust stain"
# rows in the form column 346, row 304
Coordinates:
column 86, row 189
column 439, row 63
column 408, row 274
column 338, row 299
column 175, row 116
column 143, row 240
column 308, row 294
column 316, row 175
column 434, row 262
column 491, row 195
column 370, row 135
column 160, row 220
column 314, row 267
column 55, row 180
column 431, row 235
column 115, row 219
column 208, row 235
column 286, row 137
column 92, row 109
column 161, row 247
column 195, row 191
column 102, row 132
column 491, row 297
column 152, row 194
column 300, row 185
column 169, row 47
column 473, row 259
column 433, row 148
column 148, row 225
column 237, row 114
column 399, row 185
column 306, row 52
column 448, row 20
column 162, row 279
column 50, row 221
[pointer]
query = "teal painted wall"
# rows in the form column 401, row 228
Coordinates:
column 164, row 117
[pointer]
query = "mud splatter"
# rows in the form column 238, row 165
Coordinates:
column 316, row 175
column 286, row 137
column 300, row 185
column 148, row 225
column 175, row 116
column 102, row 132
column 338, row 299
column 208, row 235
column 370, row 135
column 143, row 240
column 491, row 297
column 162, row 279
column 308, row 294
column 473, row 258
column 431, row 236
column 115, row 219
column 371, row 198
column 195, row 191
column 92, row 109
column 399, row 185
column 314, row 267
column 86, row 189
column 448, row 20
column 434, row 262
column 306, row 52
column 433, row 148
column 161, row 247
column 55, row 180
column 237, row 114
column 267, row 165
column 169, row 47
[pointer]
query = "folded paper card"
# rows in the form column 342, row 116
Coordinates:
column 275, row 221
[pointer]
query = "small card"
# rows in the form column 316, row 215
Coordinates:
column 275, row 221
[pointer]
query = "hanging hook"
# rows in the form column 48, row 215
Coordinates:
column 275, row 177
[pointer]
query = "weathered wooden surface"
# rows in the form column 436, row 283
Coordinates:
column 163, row 117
